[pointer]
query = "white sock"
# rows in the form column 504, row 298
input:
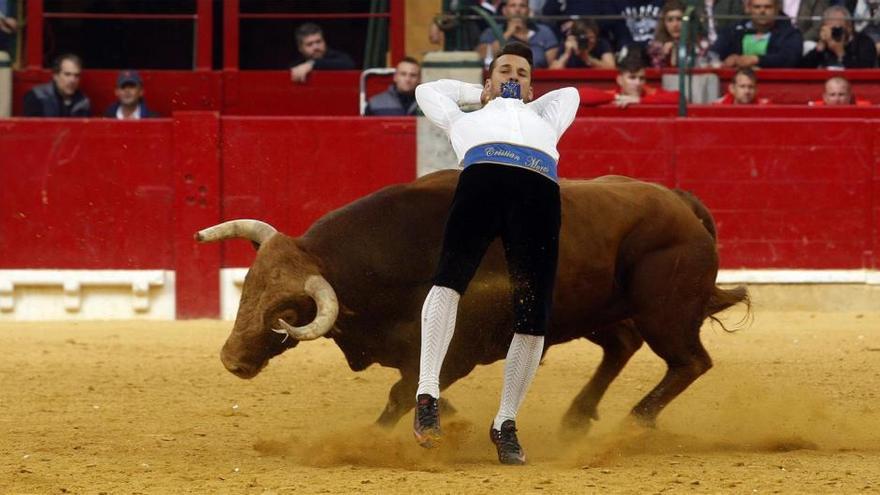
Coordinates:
column 520, row 366
column 438, row 325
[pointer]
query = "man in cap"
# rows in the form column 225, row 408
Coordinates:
column 129, row 98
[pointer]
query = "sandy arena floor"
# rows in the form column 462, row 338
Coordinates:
column 136, row 407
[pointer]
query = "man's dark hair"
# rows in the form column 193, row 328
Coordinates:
column 410, row 60
column 632, row 62
column 56, row 63
column 745, row 71
column 514, row 48
column 307, row 29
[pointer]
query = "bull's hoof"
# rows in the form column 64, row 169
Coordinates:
column 576, row 425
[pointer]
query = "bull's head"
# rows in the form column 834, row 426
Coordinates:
column 284, row 298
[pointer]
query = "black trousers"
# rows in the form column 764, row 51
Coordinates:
column 523, row 208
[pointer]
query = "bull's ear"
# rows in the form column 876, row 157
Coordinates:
column 256, row 245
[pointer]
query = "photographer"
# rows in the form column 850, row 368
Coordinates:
column 583, row 48
column 839, row 45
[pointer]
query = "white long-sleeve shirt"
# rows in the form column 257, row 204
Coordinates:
column 538, row 124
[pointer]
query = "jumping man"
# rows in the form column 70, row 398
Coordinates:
column 509, row 189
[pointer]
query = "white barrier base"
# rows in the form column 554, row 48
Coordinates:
column 28, row 295
column 231, row 280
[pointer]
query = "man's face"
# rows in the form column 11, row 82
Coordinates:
column 743, row 90
column 837, row 19
column 313, row 46
column 407, row 77
column 509, row 67
column 129, row 94
column 516, row 8
column 837, row 93
column 763, row 13
column 67, row 79
column 631, row 83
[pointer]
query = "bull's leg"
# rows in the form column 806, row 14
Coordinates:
column 670, row 289
column 684, row 363
column 619, row 342
column 401, row 398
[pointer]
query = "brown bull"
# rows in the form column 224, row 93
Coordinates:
column 637, row 262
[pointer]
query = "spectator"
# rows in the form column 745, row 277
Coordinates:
column 743, row 90
column 708, row 12
column 838, row 92
column 839, row 46
column 583, row 48
column 129, row 98
column 8, row 27
column 400, row 97
column 801, row 11
column 61, row 96
column 470, row 31
column 636, row 22
column 518, row 27
column 631, row 87
column 663, row 49
column 870, row 11
column 314, row 54
column 762, row 41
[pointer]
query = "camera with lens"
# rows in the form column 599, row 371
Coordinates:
column 580, row 35
column 837, row 33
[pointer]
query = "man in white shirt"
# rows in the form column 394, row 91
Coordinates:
column 509, row 189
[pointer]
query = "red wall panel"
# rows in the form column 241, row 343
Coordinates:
column 85, row 194
column 290, row 171
column 640, row 148
column 799, row 187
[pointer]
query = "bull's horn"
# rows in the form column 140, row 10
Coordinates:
column 254, row 230
column 322, row 292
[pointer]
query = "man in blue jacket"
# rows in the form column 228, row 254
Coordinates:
column 400, row 98
column 763, row 41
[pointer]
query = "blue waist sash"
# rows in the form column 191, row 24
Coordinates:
column 512, row 154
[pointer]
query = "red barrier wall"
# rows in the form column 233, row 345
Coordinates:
column 290, row 171
column 101, row 194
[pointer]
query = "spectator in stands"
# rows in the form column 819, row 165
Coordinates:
column 400, row 97
column 8, row 27
column 129, row 98
column 870, row 11
column 636, row 22
column 801, row 12
column 838, row 92
column 471, row 29
column 583, row 48
column 708, row 12
column 762, row 41
column 518, row 27
column 631, row 87
column 315, row 54
column 839, row 45
column 663, row 49
column 61, row 96
column 743, row 90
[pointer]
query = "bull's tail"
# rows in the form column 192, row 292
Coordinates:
column 699, row 210
column 720, row 299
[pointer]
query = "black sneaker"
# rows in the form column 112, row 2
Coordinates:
column 426, row 424
column 509, row 451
